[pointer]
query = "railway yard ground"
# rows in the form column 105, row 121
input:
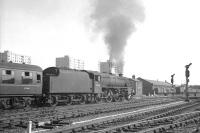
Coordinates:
column 142, row 114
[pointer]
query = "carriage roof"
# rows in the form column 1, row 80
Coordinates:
column 20, row 66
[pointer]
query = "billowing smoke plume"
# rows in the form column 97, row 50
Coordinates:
column 116, row 20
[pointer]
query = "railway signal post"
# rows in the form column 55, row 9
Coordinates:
column 187, row 75
column 172, row 81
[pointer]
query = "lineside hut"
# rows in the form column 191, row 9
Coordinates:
column 139, row 87
column 154, row 87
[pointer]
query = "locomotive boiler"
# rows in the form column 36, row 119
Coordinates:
column 117, row 88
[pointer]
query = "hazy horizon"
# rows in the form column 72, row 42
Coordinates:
column 162, row 43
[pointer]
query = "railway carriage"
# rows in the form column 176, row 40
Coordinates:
column 20, row 84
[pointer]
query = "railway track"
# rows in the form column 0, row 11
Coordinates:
column 164, row 122
column 36, row 108
column 143, row 119
column 48, row 118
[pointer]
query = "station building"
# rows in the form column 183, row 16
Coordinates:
column 155, row 87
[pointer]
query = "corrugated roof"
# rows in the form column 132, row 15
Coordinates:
column 20, row 66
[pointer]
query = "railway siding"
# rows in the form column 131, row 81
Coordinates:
column 83, row 126
column 49, row 118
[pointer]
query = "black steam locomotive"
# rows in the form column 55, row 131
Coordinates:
column 25, row 85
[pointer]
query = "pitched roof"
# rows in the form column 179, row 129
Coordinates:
column 156, row 82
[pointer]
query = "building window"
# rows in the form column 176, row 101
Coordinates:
column 8, row 77
column 27, row 78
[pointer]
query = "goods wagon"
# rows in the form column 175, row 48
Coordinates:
column 20, row 84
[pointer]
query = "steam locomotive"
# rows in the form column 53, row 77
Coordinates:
column 27, row 85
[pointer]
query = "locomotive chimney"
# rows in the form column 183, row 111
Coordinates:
column 133, row 76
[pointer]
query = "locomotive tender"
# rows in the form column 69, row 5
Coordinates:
column 27, row 84
column 67, row 85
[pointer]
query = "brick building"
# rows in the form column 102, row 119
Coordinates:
column 151, row 87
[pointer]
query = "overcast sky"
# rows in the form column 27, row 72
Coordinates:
column 163, row 43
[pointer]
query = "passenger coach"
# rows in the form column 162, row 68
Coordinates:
column 20, row 84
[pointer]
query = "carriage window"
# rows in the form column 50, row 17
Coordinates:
column 27, row 78
column 8, row 77
column 8, row 72
column 27, row 73
column 38, row 78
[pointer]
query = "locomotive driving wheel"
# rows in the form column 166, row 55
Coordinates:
column 27, row 103
column 82, row 99
column 109, row 97
column 53, row 101
column 97, row 99
column 5, row 103
column 68, row 100
column 130, row 96
column 117, row 98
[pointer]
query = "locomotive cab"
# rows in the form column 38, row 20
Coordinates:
column 96, row 81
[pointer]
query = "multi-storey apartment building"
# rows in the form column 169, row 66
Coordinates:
column 110, row 67
column 69, row 62
column 8, row 56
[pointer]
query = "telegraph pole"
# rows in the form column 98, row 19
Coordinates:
column 187, row 75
